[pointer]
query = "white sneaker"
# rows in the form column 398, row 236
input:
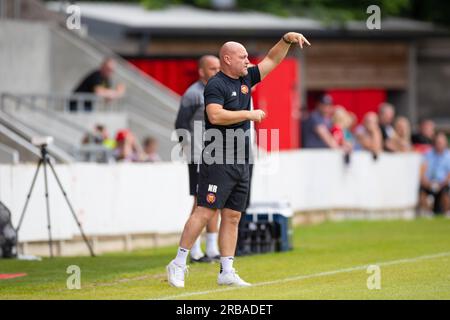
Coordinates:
column 197, row 255
column 231, row 279
column 213, row 254
column 175, row 274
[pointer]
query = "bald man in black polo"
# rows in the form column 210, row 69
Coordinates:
column 224, row 172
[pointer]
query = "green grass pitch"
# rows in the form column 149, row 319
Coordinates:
column 329, row 262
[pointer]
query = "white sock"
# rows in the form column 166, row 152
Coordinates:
column 226, row 264
column 196, row 250
column 181, row 257
column 212, row 249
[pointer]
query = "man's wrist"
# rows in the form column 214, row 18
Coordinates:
column 285, row 40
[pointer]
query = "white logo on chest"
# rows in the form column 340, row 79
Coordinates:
column 234, row 94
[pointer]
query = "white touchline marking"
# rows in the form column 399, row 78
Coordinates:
column 308, row 276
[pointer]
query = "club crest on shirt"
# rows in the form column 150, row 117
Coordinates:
column 244, row 89
column 211, row 198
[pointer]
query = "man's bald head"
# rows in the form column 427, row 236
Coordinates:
column 234, row 59
column 205, row 60
column 229, row 48
column 208, row 66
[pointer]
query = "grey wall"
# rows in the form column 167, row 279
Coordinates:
column 70, row 63
column 24, row 57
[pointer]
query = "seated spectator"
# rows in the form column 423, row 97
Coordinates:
column 316, row 128
column 368, row 135
column 435, row 176
column 402, row 139
column 127, row 150
column 423, row 140
column 100, row 136
column 150, row 147
column 342, row 122
column 386, row 114
column 99, row 83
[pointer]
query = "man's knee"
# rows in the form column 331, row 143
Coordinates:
column 204, row 214
column 231, row 216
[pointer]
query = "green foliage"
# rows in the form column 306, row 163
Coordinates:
column 159, row 4
column 327, row 10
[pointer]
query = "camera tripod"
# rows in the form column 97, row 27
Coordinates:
column 45, row 160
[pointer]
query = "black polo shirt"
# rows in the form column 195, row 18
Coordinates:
column 233, row 95
column 91, row 81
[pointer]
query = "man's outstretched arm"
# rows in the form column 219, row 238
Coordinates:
column 279, row 51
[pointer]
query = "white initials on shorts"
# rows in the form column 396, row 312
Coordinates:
column 212, row 188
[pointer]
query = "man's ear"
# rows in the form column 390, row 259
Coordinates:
column 201, row 73
column 227, row 59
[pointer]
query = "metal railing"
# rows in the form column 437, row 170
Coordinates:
column 29, row 102
column 8, row 155
column 94, row 153
column 54, row 106
column 77, row 102
column 51, row 106
column 143, row 120
column 23, row 136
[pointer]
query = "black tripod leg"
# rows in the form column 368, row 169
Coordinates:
column 71, row 209
column 27, row 200
column 48, row 209
column 28, row 197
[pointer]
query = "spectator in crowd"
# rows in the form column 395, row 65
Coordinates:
column 127, row 149
column 402, row 139
column 368, row 135
column 150, row 146
column 99, row 82
column 99, row 136
column 386, row 119
column 423, row 140
column 435, row 176
column 316, row 128
column 342, row 122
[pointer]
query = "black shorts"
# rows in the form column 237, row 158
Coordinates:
column 193, row 178
column 445, row 189
column 437, row 195
column 223, row 186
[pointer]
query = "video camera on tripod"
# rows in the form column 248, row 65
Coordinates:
column 42, row 143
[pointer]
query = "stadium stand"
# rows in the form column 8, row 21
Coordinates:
column 54, row 60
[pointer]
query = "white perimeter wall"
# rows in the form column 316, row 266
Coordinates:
column 143, row 198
